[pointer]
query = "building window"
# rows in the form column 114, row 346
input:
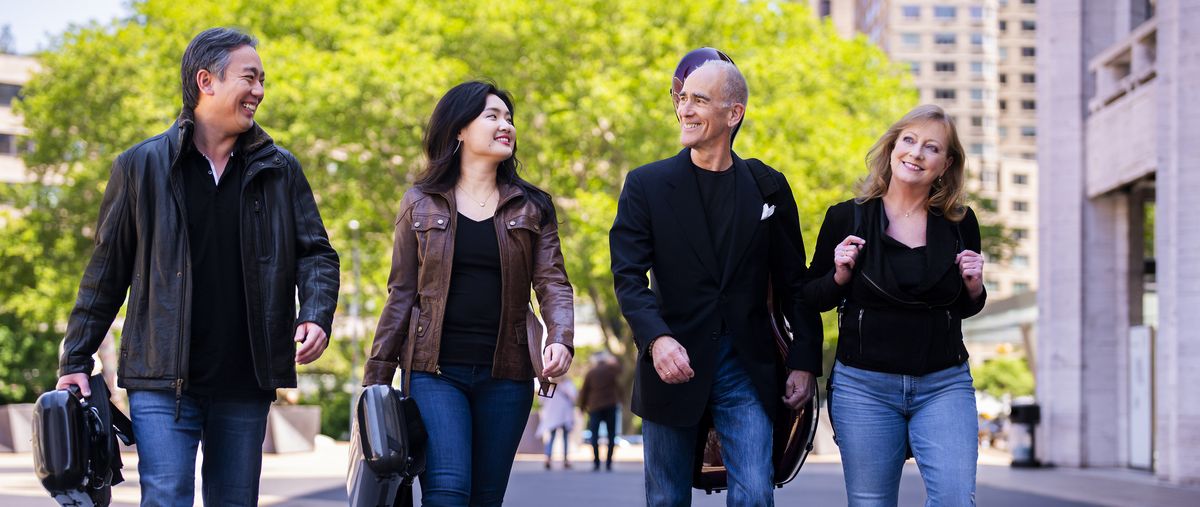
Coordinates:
column 977, row 68
column 976, row 121
column 1020, row 234
column 976, row 39
column 1029, row 155
column 915, row 68
column 1003, row 105
column 1028, row 25
column 1020, row 206
column 1003, row 78
column 911, row 11
column 1028, row 131
column 1003, row 54
column 8, row 92
column 943, row 93
column 976, row 149
column 1020, row 287
column 1003, row 25
column 991, row 287
column 1028, row 78
column 1020, row 261
column 1002, row 131
column 910, row 39
column 1029, row 105
column 8, row 144
column 945, row 12
column 977, row 12
column 1029, row 2
column 945, row 39
column 1028, row 52
column 1020, row 179
column 976, row 94
column 947, row 67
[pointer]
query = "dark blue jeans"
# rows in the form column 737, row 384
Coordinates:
column 745, row 433
column 475, row 424
column 231, row 431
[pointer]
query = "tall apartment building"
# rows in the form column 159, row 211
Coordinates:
column 14, row 73
column 976, row 59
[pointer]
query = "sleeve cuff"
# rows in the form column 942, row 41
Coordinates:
column 379, row 372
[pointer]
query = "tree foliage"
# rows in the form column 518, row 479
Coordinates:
column 1004, row 375
column 351, row 84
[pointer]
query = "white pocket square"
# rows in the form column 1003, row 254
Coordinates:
column 767, row 212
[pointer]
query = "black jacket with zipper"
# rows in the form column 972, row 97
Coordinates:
column 880, row 326
column 142, row 247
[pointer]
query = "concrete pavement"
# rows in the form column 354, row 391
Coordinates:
column 317, row 479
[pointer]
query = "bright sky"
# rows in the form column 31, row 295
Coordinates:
column 34, row 21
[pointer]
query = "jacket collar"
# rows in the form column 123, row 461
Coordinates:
column 180, row 136
column 942, row 244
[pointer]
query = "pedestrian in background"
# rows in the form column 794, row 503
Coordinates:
column 901, row 263
column 558, row 416
column 600, row 399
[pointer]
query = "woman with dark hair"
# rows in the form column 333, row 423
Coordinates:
column 471, row 239
column 901, row 263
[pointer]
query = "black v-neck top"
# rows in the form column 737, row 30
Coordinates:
column 472, row 320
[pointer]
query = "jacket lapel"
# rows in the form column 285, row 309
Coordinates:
column 942, row 245
column 684, row 198
column 747, row 211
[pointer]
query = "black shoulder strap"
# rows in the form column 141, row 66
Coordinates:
column 767, row 185
column 857, row 218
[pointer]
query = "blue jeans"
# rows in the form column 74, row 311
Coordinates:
column 475, row 424
column 744, row 431
column 565, row 445
column 876, row 416
column 231, row 431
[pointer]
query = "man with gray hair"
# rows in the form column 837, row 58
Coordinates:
column 715, row 244
column 214, row 232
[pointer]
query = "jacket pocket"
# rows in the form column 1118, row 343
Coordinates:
column 262, row 234
column 418, row 326
column 428, row 227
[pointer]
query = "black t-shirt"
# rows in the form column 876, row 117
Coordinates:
column 908, row 264
column 472, row 320
column 717, row 192
column 220, row 361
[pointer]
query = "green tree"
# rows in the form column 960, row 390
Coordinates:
column 1004, row 375
column 352, row 83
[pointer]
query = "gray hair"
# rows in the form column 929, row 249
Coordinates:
column 733, row 89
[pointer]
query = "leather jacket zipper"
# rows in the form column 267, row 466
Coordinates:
column 861, row 311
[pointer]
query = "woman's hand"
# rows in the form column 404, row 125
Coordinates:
column 557, row 359
column 845, row 254
column 970, row 264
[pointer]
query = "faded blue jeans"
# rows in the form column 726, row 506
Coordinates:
column 231, row 431
column 876, row 416
column 745, row 433
column 475, row 424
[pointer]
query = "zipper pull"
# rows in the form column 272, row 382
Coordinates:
column 178, row 396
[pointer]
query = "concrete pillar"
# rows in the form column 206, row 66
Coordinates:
column 1061, row 103
column 1177, row 243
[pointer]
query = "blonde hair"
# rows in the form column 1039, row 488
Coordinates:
column 947, row 193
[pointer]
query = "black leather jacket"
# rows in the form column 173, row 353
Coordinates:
column 142, row 246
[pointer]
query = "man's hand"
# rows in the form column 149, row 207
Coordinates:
column 557, row 360
column 78, row 379
column 312, row 340
column 671, row 360
column 799, row 389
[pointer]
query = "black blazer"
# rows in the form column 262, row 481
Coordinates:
column 880, row 326
column 660, row 227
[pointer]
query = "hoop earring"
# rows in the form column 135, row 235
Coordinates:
column 457, row 147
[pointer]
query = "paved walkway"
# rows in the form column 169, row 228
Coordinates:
column 318, row 479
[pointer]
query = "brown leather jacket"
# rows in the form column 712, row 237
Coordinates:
column 422, row 256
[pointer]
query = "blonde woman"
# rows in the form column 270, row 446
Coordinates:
column 901, row 263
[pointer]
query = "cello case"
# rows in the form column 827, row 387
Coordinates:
column 792, row 439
